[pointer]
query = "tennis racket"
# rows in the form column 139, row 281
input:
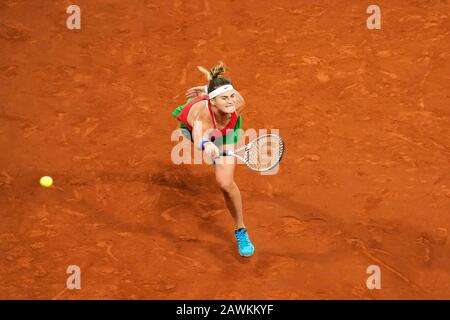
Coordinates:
column 261, row 154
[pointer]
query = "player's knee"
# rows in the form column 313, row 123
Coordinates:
column 225, row 186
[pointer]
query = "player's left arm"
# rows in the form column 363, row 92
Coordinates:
column 240, row 103
column 195, row 92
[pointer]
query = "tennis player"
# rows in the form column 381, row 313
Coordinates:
column 211, row 117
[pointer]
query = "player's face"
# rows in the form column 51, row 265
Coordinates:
column 226, row 102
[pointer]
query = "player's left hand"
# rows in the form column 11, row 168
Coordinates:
column 195, row 92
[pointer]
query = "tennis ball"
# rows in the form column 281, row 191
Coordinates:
column 46, row 181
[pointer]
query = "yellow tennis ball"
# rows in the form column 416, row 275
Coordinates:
column 46, row 181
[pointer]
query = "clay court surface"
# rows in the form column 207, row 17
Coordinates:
column 365, row 179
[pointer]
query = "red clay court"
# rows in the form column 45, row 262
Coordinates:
column 365, row 179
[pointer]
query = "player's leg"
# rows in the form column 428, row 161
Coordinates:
column 230, row 191
column 225, row 178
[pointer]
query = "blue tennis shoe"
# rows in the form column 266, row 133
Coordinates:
column 245, row 246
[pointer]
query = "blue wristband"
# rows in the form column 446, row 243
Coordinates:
column 202, row 145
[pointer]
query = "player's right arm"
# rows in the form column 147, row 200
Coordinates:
column 201, row 130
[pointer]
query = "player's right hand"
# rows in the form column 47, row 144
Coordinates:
column 212, row 151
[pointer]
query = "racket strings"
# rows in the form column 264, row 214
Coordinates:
column 265, row 153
